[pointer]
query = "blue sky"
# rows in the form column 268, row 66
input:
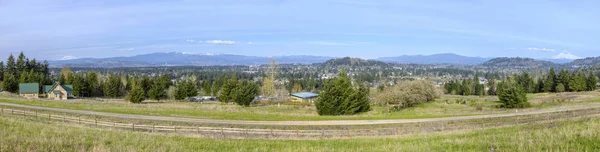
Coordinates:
column 56, row 29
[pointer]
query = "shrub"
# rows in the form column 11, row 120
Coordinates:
column 136, row 95
column 407, row 94
column 244, row 93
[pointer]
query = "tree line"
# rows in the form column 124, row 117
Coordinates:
column 23, row 70
column 564, row 81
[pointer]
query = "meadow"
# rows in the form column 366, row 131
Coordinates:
column 447, row 106
column 22, row 134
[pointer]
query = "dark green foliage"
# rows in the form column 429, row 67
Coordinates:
column 226, row 93
column 80, row 87
column 206, row 87
column 564, row 77
column 591, row 82
column 245, row 92
column 157, row 92
column 186, row 89
column 23, row 71
column 10, row 83
column 578, row 82
column 560, row 87
column 112, row 86
column 550, row 81
column 512, row 95
column 339, row 97
column 136, row 95
column 492, row 87
column 91, row 80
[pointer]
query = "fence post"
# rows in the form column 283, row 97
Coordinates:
column 79, row 120
column 198, row 130
column 175, row 129
column 49, row 117
column 114, row 125
column 65, row 117
column 222, row 133
column 36, row 115
column 133, row 126
column 153, row 128
column 96, row 122
column 12, row 111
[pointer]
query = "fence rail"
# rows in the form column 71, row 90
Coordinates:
column 237, row 133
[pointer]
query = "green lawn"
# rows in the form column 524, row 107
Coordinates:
column 18, row 134
column 447, row 106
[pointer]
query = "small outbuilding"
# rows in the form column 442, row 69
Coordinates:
column 58, row 91
column 29, row 90
column 304, row 97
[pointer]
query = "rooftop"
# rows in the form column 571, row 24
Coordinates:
column 305, row 95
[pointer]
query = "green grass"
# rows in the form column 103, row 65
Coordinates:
column 447, row 106
column 19, row 134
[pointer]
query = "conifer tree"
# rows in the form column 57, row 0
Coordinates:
column 592, row 81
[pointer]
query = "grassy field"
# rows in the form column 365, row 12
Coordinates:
column 447, row 106
column 19, row 134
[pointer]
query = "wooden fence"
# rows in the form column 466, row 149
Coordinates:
column 242, row 133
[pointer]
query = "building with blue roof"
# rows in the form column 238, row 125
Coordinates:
column 304, row 97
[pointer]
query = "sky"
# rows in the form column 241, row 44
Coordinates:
column 68, row 29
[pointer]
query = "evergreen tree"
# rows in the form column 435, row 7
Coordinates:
column 564, row 77
column 512, row 95
column 560, row 88
column 20, row 64
column 112, row 86
column 10, row 83
column 245, row 92
column 227, row 90
column 466, row 88
column 592, row 81
column 1, row 70
column 578, row 82
column 492, row 87
column 206, row 87
column 339, row 97
column 157, row 92
column 136, row 95
column 91, row 80
column 550, row 81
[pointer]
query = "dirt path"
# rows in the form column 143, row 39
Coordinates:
column 297, row 123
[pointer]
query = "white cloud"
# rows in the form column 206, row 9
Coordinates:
column 249, row 43
column 190, row 41
column 126, row 49
column 68, row 57
column 540, row 49
column 329, row 43
column 565, row 55
column 221, row 42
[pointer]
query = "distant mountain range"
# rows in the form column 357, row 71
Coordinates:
column 447, row 58
column 183, row 59
column 192, row 59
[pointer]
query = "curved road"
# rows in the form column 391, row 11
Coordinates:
column 296, row 123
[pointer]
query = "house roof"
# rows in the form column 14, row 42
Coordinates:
column 48, row 88
column 56, row 92
column 29, row 88
column 305, row 95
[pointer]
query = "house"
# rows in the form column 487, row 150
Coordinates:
column 58, row 91
column 29, row 90
column 304, row 97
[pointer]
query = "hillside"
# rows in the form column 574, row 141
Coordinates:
column 516, row 62
column 446, row 58
column 590, row 61
column 347, row 61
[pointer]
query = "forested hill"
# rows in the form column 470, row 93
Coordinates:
column 590, row 61
column 518, row 62
column 347, row 61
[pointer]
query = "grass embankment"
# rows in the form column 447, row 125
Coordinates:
column 18, row 134
column 447, row 106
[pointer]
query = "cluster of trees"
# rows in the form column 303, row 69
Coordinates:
column 466, row 87
column 564, row 81
column 340, row 97
column 407, row 93
column 23, row 70
column 241, row 92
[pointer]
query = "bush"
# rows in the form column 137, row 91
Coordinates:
column 339, row 97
